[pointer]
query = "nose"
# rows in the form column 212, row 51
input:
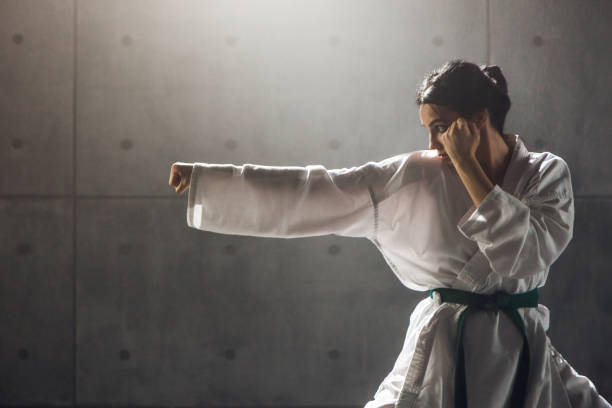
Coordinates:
column 434, row 144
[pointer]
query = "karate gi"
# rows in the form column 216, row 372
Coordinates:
column 416, row 210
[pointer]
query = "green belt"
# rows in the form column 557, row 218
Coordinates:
column 507, row 303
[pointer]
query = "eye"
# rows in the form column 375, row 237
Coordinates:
column 441, row 128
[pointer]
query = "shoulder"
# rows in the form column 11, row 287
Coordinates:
column 550, row 175
column 389, row 175
column 417, row 161
column 548, row 166
column 414, row 162
column 547, row 161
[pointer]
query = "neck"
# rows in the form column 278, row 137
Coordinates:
column 493, row 155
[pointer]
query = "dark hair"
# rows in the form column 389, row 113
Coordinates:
column 465, row 88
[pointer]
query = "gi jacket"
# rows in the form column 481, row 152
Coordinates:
column 416, row 210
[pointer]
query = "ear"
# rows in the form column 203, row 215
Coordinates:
column 480, row 118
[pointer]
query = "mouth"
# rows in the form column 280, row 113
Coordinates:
column 445, row 159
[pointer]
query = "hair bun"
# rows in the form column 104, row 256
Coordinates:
column 495, row 74
column 493, row 71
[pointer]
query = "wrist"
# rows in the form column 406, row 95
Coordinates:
column 467, row 161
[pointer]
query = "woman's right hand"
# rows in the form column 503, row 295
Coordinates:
column 180, row 176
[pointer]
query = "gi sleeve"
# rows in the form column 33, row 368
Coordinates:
column 524, row 237
column 286, row 201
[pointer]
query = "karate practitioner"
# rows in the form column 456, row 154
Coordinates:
column 476, row 220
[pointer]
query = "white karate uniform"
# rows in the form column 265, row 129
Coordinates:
column 417, row 211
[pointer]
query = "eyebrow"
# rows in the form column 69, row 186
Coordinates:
column 434, row 121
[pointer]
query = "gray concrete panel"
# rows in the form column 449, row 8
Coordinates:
column 170, row 315
column 557, row 56
column 577, row 293
column 36, row 107
column 275, row 83
column 36, row 302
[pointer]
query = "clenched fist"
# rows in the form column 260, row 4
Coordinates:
column 180, row 176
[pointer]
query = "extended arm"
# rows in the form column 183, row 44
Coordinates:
column 286, row 201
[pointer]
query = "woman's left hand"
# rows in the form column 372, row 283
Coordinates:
column 460, row 140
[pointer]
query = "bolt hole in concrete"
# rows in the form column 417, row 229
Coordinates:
column 23, row 354
column 24, row 248
column 538, row 41
column 126, row 144
column 334, row 249
column 124, row 355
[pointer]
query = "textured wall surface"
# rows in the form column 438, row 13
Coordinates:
column 107, row 297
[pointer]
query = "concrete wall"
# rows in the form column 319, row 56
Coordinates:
column 107, row 297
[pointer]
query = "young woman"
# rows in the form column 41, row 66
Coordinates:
column 477, row 221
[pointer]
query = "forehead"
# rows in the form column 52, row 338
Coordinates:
column 428, row 112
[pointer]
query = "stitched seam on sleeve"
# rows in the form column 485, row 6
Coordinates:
column 375, row 209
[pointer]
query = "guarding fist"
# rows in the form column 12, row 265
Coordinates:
column 180, row 176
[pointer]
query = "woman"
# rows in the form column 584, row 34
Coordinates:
column 477, row 220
